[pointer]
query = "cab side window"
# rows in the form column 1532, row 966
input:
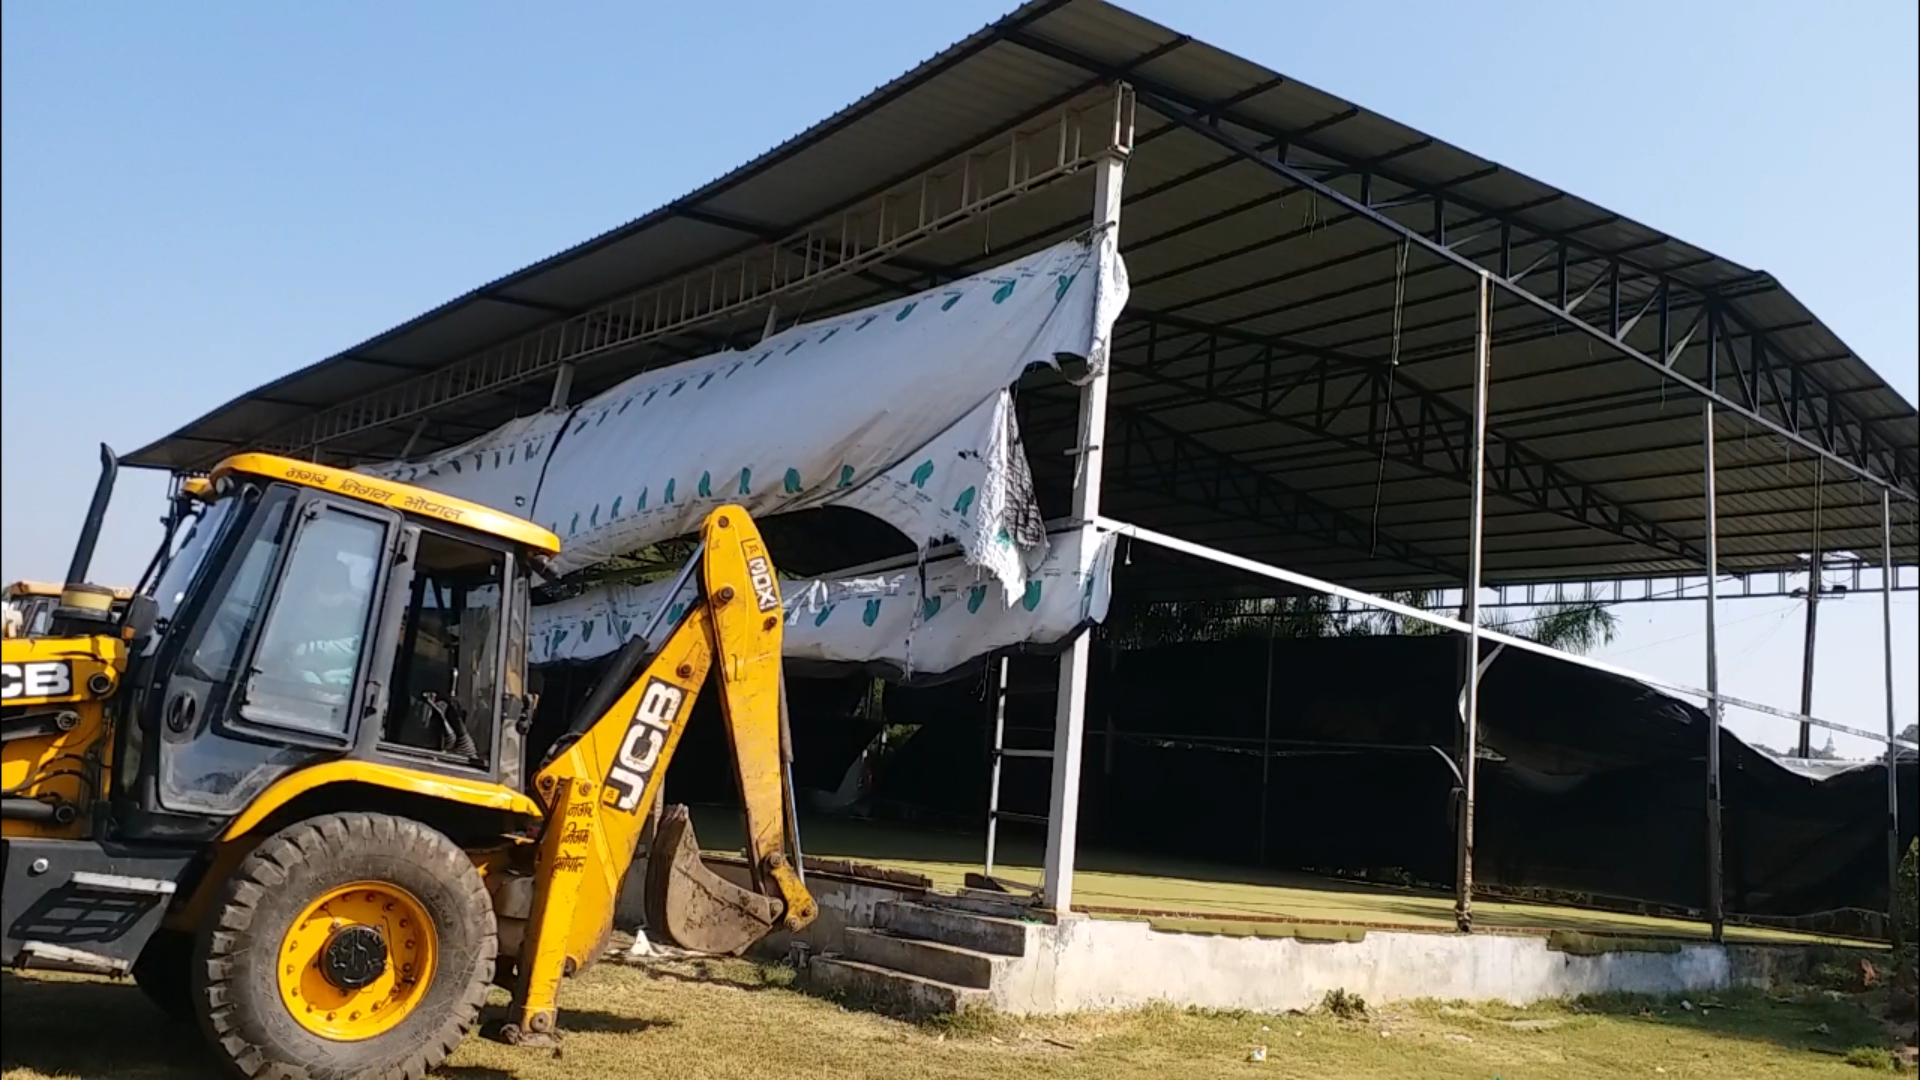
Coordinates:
column 445, row 695
column 310, row 646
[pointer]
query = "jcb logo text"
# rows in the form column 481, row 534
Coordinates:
column 41, row 678
column 647, row 733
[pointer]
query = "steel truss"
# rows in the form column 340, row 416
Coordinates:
column 1774, row 392
column 847, row 242
column 1669, row 313
column 1371, row 407
column 1152, row 456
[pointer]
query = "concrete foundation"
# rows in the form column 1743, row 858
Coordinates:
column 1109, row 965
column 911, row 951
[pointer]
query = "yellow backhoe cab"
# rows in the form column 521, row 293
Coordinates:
column 283, row 787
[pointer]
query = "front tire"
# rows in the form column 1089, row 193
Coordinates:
column 348, row 945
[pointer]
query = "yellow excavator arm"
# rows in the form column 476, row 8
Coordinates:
column 605, row 775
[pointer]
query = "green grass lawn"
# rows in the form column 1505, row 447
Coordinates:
column 733, row 1020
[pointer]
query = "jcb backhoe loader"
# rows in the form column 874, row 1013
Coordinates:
column 283, row 785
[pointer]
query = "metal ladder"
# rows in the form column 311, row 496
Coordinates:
column 1001, row 752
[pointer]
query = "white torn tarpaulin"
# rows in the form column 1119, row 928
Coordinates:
column 902, row 409
column 884, row 619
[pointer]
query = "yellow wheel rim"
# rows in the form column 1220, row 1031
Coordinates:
column 357, row 961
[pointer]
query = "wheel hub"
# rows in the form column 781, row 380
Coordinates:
column 354, row 957
column 357, row 961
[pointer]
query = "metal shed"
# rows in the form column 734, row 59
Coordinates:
column 1353, row 354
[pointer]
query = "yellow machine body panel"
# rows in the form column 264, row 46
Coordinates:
column 396, row 496
column 479, row 794
column 58, row 748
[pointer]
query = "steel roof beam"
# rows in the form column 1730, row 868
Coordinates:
column 1858, row 447
column 1153, row 456
column 1409, row 425
column 1867, row 459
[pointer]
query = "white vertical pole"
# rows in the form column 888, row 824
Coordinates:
column 1470, row 610
column 1893, row 752
column 1716, row 907
column 1070, row 715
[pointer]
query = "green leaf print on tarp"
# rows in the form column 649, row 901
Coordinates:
column 846, row 476
column 705, row 488
column 667, row 497
column 871, row 613
column 964, row 503
column 821, row 618
column 746, row 481
column 1032, row 599
column 922, row 474
column 792, row 482
column 975, row 597
column 929, row 608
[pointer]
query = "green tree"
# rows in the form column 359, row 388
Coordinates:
column 1575, row 627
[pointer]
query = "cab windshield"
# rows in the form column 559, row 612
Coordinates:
column 181, row 570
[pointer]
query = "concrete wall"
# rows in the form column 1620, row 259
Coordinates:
column 1082, row 964
column 1090, row 964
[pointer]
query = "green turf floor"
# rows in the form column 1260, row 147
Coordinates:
column 1110, row 882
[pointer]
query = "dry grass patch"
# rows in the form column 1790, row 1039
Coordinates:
column 734, row 1020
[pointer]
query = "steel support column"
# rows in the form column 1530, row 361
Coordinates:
column 1816, row 580
column 1893, row 752
column 1716, row 909
column 1266, row 745
column 1070, row 716
column 1470, row 610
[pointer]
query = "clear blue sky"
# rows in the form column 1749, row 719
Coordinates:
column 200, row 197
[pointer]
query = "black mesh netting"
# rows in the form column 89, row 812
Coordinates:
column 1593, row 784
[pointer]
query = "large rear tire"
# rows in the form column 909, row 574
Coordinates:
column 348, row 945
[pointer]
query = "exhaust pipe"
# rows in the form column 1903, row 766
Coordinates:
column 96, row 515
column 84, row 608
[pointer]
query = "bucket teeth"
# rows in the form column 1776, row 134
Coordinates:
column 690, row 906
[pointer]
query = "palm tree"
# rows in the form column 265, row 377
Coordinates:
column 1577, row 627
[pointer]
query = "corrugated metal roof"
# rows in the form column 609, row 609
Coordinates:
column 1245, row 285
